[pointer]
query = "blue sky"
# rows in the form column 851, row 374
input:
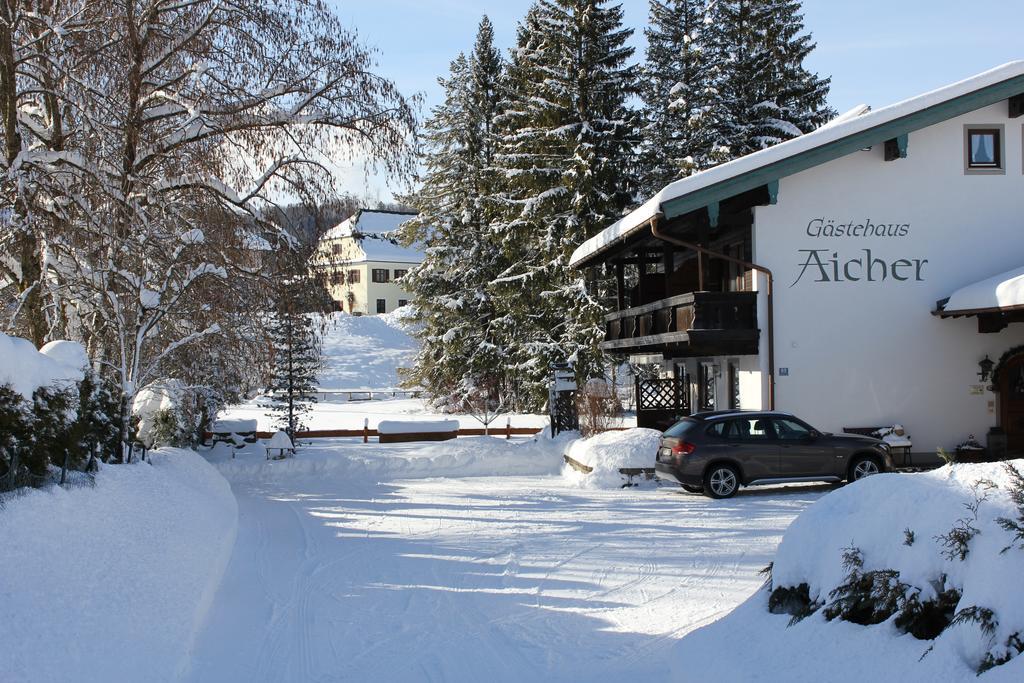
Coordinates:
column 877, row 52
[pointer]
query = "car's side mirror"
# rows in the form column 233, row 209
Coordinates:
column 813, row 434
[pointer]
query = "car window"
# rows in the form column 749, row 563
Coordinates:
column 746, row 429
column 680, row 428
column 790, row 429
column 716, row 429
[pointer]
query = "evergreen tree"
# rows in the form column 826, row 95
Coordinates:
column 682, row 132
column 450, row 288
column 767, row 95
column 565, row 154
column 295, row 343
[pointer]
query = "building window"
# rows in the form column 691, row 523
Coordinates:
column 706, row 387
column 380, row 275
column 353, row 277
column 734, row 387
column 336, row 248
column 983, row 149
column 399, row 273
column 402, row 302
column 382, row 306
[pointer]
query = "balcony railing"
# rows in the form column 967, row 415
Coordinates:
column 696, row 319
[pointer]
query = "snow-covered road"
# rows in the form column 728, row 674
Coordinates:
column 502, row 578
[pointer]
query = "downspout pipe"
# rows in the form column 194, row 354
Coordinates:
column 746, row 264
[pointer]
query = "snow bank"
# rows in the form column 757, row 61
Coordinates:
column 112, row 583
column 609, row 452
column 872, row 515
column 417, row 426
column 464, row 457
column 26, row 369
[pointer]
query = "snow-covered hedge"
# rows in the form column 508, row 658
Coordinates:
column 896, row 577
column 610, row 452
column 112, row 583
column 59, row 364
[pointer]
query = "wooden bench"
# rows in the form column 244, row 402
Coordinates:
column 908, row 458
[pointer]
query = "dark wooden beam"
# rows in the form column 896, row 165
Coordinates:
column 1016, row 106
column 896, row 148
column 990, row 323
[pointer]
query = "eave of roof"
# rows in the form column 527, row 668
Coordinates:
column 827, row 143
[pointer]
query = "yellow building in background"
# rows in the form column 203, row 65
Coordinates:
column 363, row 264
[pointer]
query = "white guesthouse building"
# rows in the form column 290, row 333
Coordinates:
column 894, row 240
column 362, row 262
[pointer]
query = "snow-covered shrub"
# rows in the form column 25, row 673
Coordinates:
column 63, row 428
column 1015, row 525
column 952, row 590
column 597, row 407
column 173, row 414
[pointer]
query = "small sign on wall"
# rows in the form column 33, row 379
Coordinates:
column 977, row 389
column 783, row 372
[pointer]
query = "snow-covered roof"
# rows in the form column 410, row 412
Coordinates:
column 369, row 222
column 377, row 233
column 1000, row 292
column 858, row 120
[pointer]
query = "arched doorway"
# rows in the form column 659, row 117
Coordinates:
column 1010, row 378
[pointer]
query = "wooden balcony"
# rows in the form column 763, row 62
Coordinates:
column 693, row 324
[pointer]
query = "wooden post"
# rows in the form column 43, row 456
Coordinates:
column 641, row 265
column 620, row 285
column 508, row 428
column 700, row 271
column 366, row 430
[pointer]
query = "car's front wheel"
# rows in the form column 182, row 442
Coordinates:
column 721, row 481
column 863, row 467
column 693, row 489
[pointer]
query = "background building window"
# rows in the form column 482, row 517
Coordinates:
column 336, row 248
column 402, row 302
column 382, row 306
column 400, row 273
column 353, row 277
column 380, row 275
column 983, row 149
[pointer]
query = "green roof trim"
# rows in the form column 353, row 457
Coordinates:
column 897, row 128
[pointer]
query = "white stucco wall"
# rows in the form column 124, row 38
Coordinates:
column 864, row 353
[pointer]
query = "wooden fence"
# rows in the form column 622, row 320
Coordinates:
column 365, row 434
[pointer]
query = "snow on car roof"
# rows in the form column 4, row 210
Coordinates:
column 855, row 121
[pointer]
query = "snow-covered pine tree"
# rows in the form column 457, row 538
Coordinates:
column 565, row 158
column 767, row 94
column 681, row 133
column 295, row 343
column 450, row 288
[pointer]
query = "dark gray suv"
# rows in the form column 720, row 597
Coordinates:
column 716, row 453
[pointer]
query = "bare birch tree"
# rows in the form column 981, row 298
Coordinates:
column 144, row 141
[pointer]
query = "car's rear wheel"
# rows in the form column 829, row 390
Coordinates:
column 693, row 489
column 721, row 481
column 863, row 467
